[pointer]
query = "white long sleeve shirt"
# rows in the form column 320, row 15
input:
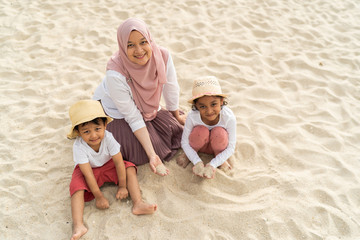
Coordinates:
column 117, row 99
column 227, row 121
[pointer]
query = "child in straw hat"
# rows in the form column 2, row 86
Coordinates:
column 98, row 160
column 209, row 128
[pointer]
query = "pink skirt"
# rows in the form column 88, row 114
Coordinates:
column 165, row 134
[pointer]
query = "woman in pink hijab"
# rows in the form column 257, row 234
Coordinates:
column 137, row 75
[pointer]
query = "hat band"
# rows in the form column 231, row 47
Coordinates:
column 206, row 93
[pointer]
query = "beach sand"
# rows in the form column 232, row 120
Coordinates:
column 291, row 70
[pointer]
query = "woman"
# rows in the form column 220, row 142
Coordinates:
column 136, row 77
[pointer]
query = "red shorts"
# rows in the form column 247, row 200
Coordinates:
column 103, row 174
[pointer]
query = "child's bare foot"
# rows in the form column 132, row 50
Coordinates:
column 226, row 167
column 78, row 232
column 198, row 169
column 141, row 208
column 182, row 160
column 209, row 171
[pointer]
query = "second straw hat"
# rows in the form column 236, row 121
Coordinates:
column 206, row 86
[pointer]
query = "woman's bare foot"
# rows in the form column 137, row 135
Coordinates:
column 141, row 208
column 182, row 160
column 198, row 169
column 78, row 232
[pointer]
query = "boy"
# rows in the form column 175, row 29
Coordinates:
column 98, row 160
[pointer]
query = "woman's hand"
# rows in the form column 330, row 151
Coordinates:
column 157, row 166
column 179, row 117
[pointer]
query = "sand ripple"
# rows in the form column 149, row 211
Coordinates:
column 290, row 68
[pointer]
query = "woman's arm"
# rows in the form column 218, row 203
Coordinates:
column 171, row 92
column 120, row 93
column 143, row 136
column 181, row 118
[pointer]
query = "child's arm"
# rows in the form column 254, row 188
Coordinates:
column 191, row 154
column 101, row 201
column 121, row 173
column 230, row 149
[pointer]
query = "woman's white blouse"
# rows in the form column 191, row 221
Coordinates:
column 117, row 99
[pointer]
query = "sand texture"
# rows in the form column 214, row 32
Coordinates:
column 291, row 70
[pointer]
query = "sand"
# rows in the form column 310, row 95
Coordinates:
column 292, row 73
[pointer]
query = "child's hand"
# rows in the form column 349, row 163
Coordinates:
column 101, row 202
column 209, row 171
column 198, row 169
column 122, row 193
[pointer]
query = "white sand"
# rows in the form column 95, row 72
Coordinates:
column 292, row 72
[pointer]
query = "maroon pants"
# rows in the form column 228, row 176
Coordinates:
column 212, row 141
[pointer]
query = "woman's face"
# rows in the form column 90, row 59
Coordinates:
column 138, row 48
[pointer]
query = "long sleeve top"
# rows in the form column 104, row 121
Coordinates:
column 117, row 99
column 227, row 121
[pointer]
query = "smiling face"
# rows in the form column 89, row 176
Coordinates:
column 92, row 133
column 209, row 108
column 138, row 48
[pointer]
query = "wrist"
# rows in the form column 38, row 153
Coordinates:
column 175, row 113
column 98, row 194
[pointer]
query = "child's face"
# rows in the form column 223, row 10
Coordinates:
column 92, row 134
column 138, row 48
column 209, row 108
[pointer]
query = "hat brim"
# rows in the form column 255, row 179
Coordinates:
column 191, row 100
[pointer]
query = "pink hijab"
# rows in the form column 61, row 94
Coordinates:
column 146, row 82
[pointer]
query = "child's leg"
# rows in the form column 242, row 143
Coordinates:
column 182, row 160
column 77, row 211
column 199, row 139
column 139, row 206
column 219, row 140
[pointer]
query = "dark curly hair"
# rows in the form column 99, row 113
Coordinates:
column 193, row 106
column 96, row 121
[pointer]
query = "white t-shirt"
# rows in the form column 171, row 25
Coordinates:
column 83, row 153
column 117, row 99
column 227, row 121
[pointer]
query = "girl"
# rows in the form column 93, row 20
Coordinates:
column 209, row 128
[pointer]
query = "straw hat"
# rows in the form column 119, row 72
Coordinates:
column 85, row 111
column 206, row 86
